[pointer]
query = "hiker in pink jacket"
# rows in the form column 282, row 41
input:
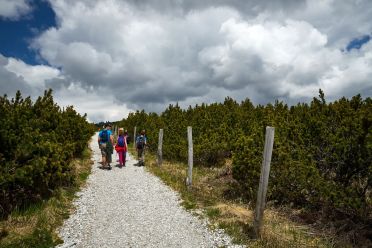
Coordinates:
column 121, row 147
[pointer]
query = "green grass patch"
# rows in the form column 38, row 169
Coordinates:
column 213, row 213
column 188, row 204
column 29, row 210
column 241, row 232
column 35, row 225
column 83, row 176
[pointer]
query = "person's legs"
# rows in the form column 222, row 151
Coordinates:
column 103, row 153
column 124, row 157
column 120, row 158
column 108, row 158
column 139, row 156
column 143, row 157
column 107, row 153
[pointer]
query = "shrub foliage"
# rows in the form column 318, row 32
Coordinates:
column 322, row 157
column 38, row 141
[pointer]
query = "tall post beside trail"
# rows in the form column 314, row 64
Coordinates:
column 264, row 180
column 190, row 160
column 160, row 148
column 134, row 137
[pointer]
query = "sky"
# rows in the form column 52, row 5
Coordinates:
column 108, row 58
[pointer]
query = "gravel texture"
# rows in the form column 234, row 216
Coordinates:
column 129, row 207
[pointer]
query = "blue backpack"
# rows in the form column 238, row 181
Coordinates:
column 104, row 136
column 121, row 141
column 140, row 142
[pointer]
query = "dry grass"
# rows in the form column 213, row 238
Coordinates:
column 35, row 226
column 208, row 194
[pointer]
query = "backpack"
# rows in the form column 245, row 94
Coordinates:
column 121, row 141
column 140, row 142
column 104, row 136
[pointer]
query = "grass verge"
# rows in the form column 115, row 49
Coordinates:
column 209, row 195
column 35, row 226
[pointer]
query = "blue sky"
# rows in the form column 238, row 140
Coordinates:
column 17, row 34
column 148, row 54
column 357, row 43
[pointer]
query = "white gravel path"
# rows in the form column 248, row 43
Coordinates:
column 130, row 207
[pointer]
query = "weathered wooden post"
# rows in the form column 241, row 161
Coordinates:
column 134, row 137
column 160, row 148
column 264, row 180
column 190, row 160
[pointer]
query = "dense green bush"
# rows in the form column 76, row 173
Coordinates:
column 322, row 156
column 38, row 141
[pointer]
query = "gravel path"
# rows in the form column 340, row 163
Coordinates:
column 130, row 207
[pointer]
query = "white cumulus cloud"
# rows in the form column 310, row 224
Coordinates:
column 35, row 75
column 14, row 9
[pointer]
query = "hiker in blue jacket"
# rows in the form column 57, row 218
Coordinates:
column 141, row 142
column 106, row 141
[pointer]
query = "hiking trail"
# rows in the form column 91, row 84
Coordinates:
column 130, row 207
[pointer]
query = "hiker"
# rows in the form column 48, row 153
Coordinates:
column 126, row 135
column 141, row 142
column 105, row 141
column 121, row 147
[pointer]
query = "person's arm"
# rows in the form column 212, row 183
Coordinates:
column 112, row 139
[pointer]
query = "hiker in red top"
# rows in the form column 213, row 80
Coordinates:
column 121, row 147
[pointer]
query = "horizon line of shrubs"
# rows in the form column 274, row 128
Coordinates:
column 322, row 156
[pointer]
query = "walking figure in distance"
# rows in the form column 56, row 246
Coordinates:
column 121, row 147
column 141, row 142
column 127, row 139
column 105, row 141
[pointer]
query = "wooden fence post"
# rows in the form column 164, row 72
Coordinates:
column 190, row 159
column 160, row 148
column 264, row 180
column 134, row 137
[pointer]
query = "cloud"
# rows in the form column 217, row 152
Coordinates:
column 147, row 54
column 351, row 75
column 14, row 9
column 10, row 82
column 141, row 60
column 99, row 106
column 32, row 80
column 34, row 76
